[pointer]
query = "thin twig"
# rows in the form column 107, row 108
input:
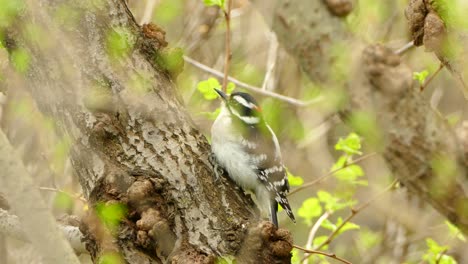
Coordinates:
column 330, row 255
column 312, row 233
column 426, row 83
column 227, row 55
column 76, row 196
column 309, row 184
column 252, row 88
column 354, row 212
column 405, row 48
column 271, row 61
column 149, row 8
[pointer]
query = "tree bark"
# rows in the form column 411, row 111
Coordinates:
column 99, row 75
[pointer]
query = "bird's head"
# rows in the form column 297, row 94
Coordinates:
column 242, row 106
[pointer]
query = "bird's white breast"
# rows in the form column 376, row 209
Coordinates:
column 228, row 149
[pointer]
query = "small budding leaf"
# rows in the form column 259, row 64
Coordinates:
column 319, row 240
column 310, row 209
column 350, row 145
column 219, row 3
column 454, row 231
column 226, row 260
column 110, row 258
column 420, row 76
column 347, row 226
column 294, row 180
column 111, row 214
column 207, row 88
column 436, row 253
column 295, row 259
column 63, row 201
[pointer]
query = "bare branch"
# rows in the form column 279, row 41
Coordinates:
column 252, row 88
column 227, row 55
column 330, row 255
column 312, row 183
column 353, row 213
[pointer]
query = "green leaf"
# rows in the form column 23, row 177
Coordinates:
column 119, row 43
column 207, row 88
column 20, row 58
column 454, row 231
column 319, row 240
column 327, row 224
column 310, row 209
column 63, row 201
column 420, row 76
column 434, row 251
column 219, row 3
column 111, row 214
column 350, row 145
column 295, row 259
column 368, row 239
column 347, row 226
column 226, row 260
column 111, row 258
column 294, row 180
column 230, row 87
column 349, row 173
column 333, row 203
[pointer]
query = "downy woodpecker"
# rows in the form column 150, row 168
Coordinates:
column 247, row 148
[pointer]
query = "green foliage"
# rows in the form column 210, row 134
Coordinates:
column 9, row 10
column 119, row 43
column 111, row 258
column 219, row 3
column 294, row 180
column 368, row 239
column 420, row 76
column 309, row 210
column 111, row 214
column 327, row 224
column 350, row 145
column 365, row 124
column 435, row 253
column 63, row 201
column 296, row 258
column 333, row 203
column 168, row 10
column 226, row 260
column 21, row 59
column 319, row 241
column 172, row 60
column 455, row 232
column 206, row 88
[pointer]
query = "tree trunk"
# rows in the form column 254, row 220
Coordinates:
column 421, row 149
column 100, row 76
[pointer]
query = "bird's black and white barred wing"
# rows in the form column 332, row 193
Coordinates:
column 266, row 158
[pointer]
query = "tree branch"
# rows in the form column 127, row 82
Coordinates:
column 10, row 225
column 38, row 223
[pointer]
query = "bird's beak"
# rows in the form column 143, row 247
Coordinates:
column 222, row 94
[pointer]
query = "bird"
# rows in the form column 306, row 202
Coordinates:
column 246, row 147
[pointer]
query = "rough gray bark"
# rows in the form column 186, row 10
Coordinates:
column 39, row 225
column 134, row 144
column 415, row 135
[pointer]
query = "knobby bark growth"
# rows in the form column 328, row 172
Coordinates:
column 133, row 142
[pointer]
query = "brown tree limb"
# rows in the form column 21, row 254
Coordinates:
column 134, row 143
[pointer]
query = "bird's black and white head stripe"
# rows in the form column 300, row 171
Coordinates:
column 243, row 107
